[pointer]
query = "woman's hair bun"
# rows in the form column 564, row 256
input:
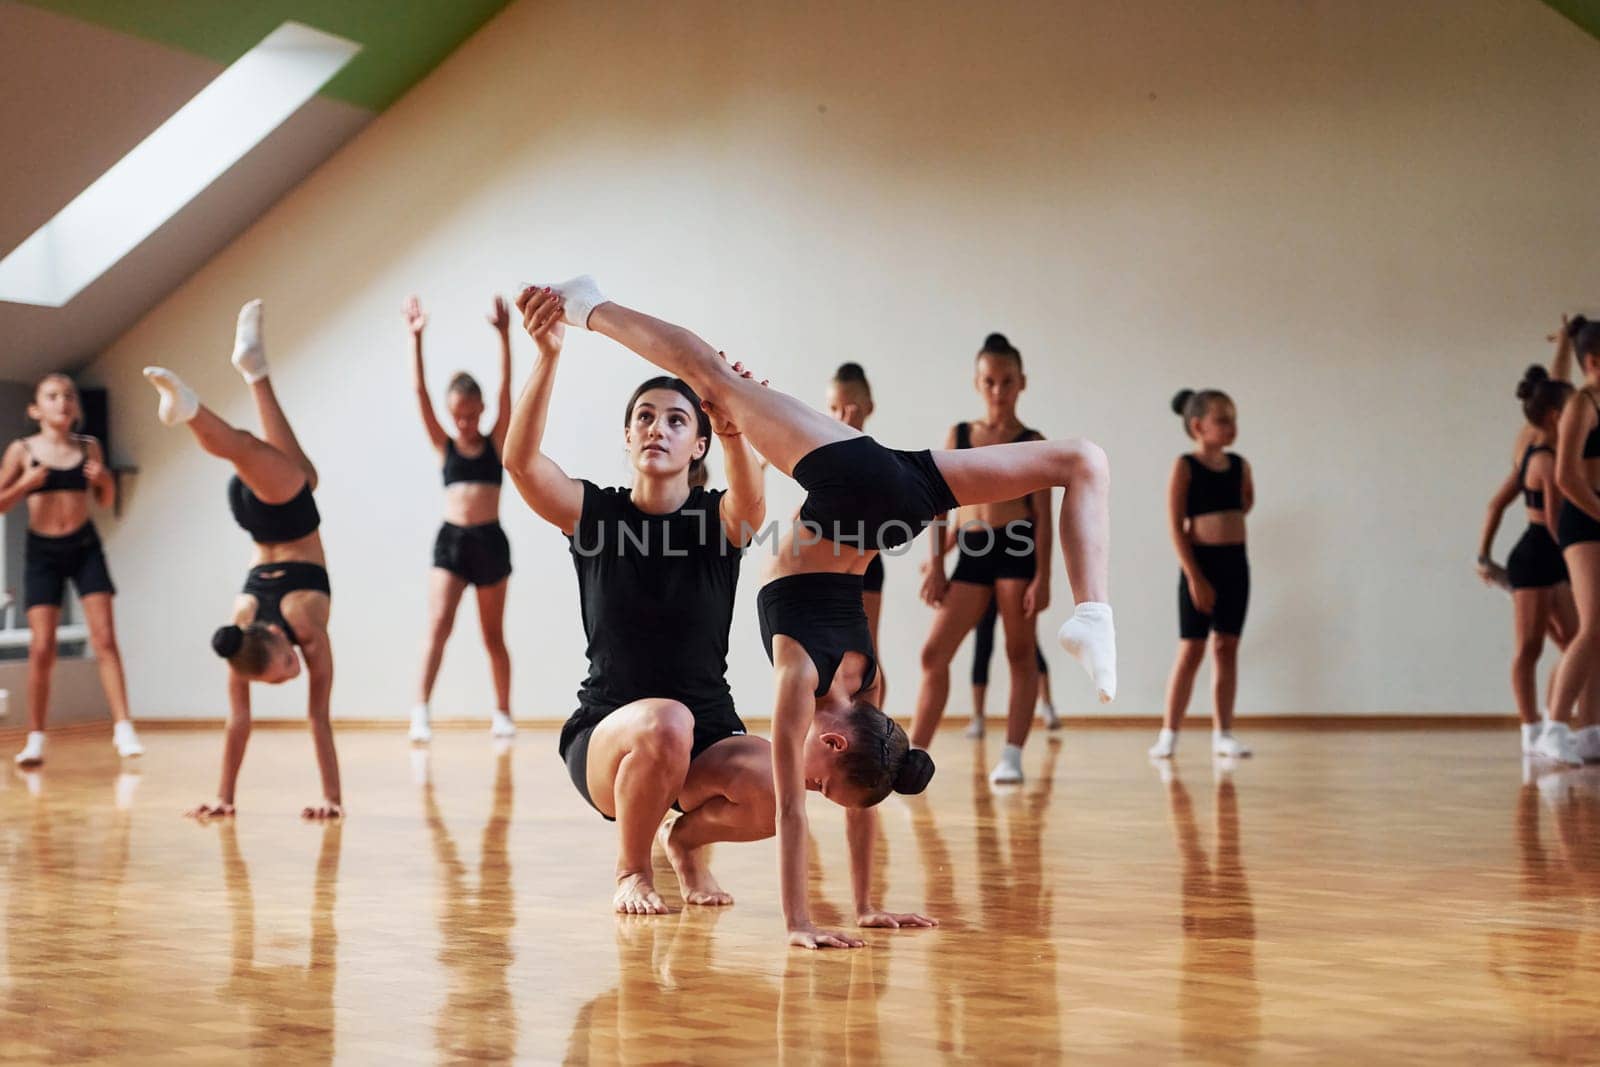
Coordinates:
column 1576, row 323
column 1180, row 400
column 850, row 372
column 996, row 342
column 227, row 640
column 1531, row 378
column 916, row 771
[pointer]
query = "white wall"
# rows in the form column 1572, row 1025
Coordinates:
column 1360, row 217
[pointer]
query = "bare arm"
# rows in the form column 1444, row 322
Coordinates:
column 1249, row 489
column 500, row 319
column 861, row 833
column 1503, row 496
column 1561, row 363
column 1177, row 521
column 17, row 479
column 744, row 506
column 237, row 737
column 416, row 321
column 102, row 486
column 792, row 712
column 1576, row 421
column 318, row 653
column 555, row 497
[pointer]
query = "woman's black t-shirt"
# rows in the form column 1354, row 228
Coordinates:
column 657, row 599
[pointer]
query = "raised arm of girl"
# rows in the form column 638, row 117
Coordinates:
column 416, row 322
column 500, row 319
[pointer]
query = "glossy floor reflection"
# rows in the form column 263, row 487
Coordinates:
column 1393, row 895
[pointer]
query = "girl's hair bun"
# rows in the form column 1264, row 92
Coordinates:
column 227, row 640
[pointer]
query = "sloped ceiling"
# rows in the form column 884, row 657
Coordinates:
column 88, row 79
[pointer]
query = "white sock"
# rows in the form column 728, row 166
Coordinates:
column 974, row 728
column 1530, row 735
column 1090, row 637
column 421, row 729
column 1556, row 743
column 1588, row 740
column 1009, row 770
column 33, row 751
column 1166, row 744
column 126, row 739
column 501, row 724
column 249, row 353
column 1052, row 721
column 1223, row 743
column 178, row 402
column 579, row 297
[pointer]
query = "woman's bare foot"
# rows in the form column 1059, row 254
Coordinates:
column 636, row 895
column 216, row 809
column 694, row 874
column 328, row 809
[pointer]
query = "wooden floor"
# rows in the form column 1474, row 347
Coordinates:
column 1395, row 896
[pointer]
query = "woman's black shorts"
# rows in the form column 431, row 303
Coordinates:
column 49, row 562
column 480, row 555
column 1535, row 562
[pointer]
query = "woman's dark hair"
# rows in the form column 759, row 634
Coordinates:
column 880, row 759
column 465, row 384
column 1541, row 395
column 997, row 345
column 698, row 476
column 1190, row 404
column 1574, row 324
column 853, row 374
column 247, row 649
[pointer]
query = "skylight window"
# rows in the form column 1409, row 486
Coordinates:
column 173, row 165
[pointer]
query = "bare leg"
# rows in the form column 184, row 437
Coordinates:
column 42, row 622
column 1224, row 678
column 276, row 429
column 108, row 657
column 1181, row 684
column 1005, row 472
column 777, row 425
column 1022, row 651
column 964, row 604
column 638, row 760
column 270, row 474
column 1577, row 666
column 1530, row 612
column 727, row 796
column 444, row 596
column 491, row 618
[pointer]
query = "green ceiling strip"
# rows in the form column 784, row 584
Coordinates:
column 1585, row 13
column 402, row 40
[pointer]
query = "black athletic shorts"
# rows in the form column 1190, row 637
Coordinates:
column 51, row 561
column 1535, row 562
column 988, row 553
column 1227, row 568
column 862, row 494
column 708, row 730
column 1574, row 526
column 480, row 555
